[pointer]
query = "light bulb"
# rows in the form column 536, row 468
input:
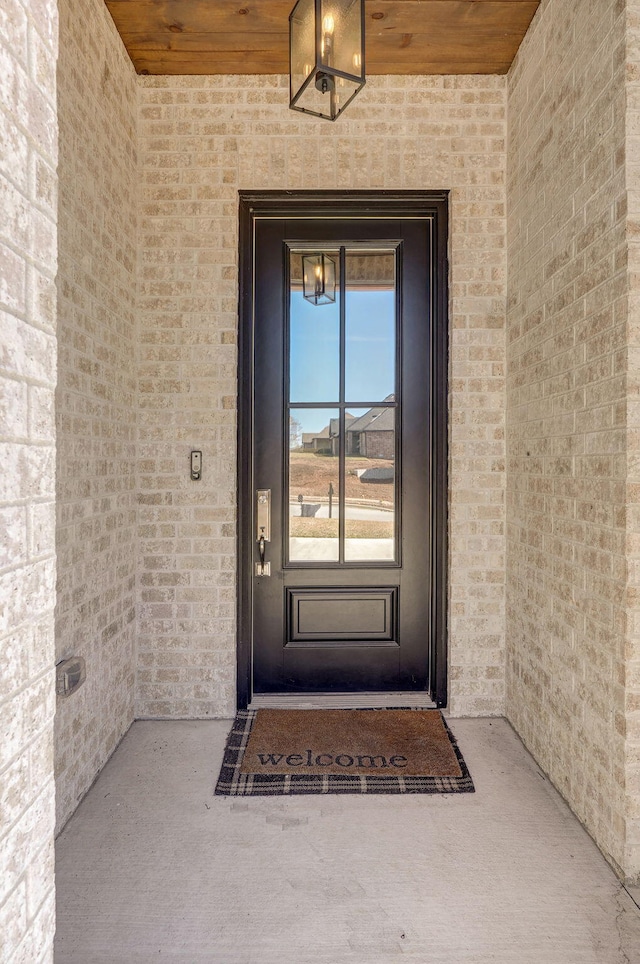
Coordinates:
column 327, row 38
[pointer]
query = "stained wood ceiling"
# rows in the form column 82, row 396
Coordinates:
column 251, row 36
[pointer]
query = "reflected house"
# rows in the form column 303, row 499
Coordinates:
column 324, row 442
column 370, row 435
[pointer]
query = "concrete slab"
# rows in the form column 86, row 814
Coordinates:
column 153, row 867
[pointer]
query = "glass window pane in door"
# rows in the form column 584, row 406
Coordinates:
column 314, row 479
column 314, row 338
column 370, row 306
column 370, row 485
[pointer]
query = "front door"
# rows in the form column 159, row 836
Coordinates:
column 344, row 464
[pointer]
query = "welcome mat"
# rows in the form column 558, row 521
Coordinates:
column 272, row 752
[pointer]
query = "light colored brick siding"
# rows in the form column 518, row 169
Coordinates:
column 202, row 139
column 379, row 445
column 28, row 148
column 96, row 398
column 632, row 679
column 566, row 407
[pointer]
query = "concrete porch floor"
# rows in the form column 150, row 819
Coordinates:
column 153, row 867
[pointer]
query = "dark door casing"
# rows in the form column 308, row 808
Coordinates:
column 379, row 624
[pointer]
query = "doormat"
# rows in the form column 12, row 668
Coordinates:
column 280, row 752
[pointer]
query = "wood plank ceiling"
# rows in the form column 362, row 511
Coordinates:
column 251, row 36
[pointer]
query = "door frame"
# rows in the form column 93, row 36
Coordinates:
column 427, row 205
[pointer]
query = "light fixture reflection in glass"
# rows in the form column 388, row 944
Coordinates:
column 319, row 279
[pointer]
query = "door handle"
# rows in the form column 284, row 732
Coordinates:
column 263, row 514
column 263, row 525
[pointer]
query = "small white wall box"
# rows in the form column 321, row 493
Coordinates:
column 196, row 465
column 70, row 675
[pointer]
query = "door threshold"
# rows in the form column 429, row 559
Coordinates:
column 340, row 701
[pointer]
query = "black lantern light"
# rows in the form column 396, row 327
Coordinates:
column 319, row 279
column 326, row 55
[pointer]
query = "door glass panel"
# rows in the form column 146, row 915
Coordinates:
column 370, row 487
column 314, row 337
column 314, row 484
column 370, row 348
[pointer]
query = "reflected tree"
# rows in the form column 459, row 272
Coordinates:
column 295, row 434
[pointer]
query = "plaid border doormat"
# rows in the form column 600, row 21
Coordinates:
column 232, row 782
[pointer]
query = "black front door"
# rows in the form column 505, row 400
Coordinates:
column 345, row 457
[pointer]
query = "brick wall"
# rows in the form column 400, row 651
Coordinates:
column 573, row 657
column 28, row 147
column 566, row 407
column 202, row 139
column 96, row 399
column 632, row 679
column 379, row 445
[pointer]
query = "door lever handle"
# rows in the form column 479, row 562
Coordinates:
column 263, row 527
column 263, row 514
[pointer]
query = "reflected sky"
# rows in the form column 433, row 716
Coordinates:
column 313, row 419
column 370, row 357
column 314, row 342
column 315, row 351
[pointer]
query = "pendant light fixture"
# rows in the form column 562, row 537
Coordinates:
column 326, row 55
column 319, row 279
